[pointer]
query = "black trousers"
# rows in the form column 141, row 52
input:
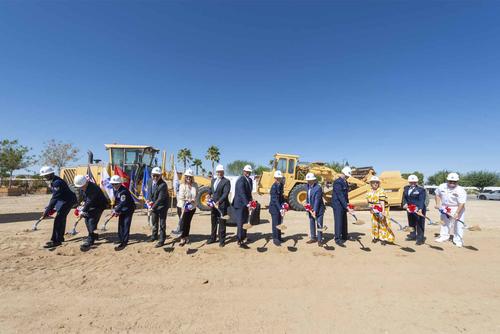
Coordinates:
column 91, row 222
column 218, row 222
column 124, row 222
column 185, row 222
column 276, row 220
column 340, row 218
column 418, row 223
column 159, row 222
column 241, row 215
column 59, row 227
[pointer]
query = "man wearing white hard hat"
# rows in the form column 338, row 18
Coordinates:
column 124, row 209
column 62, row 201
column 220, row 188
column 275, row 206
column 94, row 203
column 414, row 203
column 317, row 209
column 450, row 201
column 340, row 205
column 158, row 202
column 241, row 201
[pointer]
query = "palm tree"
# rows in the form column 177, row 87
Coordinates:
column 197, row 163
column 213, row 154
column 184, row 156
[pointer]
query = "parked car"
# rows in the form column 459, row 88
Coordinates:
column 489, row 194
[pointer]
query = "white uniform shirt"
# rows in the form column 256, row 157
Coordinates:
column 451, row 197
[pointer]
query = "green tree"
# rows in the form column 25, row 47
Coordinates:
column 480, row 179
column 336, row 166
column 58, row 154
column 213, row 155
column 260, row 169
column 438, row 178
column 197, row 163
column 184, row 156
column 13, row 156
column 236, row 167
column 417, row 173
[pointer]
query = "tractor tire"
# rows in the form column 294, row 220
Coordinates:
column 201, row 199
column 297, row 197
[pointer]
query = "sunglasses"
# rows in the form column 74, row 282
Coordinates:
column 156, row 175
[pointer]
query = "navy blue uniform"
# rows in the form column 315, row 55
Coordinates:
column 125, row 207
column 277, row 200
column 417, row 197
column 62, row 201
column 242, row 196
column 315, row 199
column 340, row 200
column 95, row 202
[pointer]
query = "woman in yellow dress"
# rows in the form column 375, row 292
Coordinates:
column 377, row 201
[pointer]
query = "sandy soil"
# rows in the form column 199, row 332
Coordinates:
column 199, row 288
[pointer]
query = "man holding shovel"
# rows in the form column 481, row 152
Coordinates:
column 158, row 202
column 414, row 204
column 95, row 202
column 340, row 205
column 219, row 199
column 241, row 202
column 317, row 209
column 275, row 207
column 62, row 201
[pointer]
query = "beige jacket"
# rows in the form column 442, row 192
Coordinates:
column 186, row 193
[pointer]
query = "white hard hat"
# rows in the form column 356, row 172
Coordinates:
column 46, row 170
column 347, row 171
column 247, row 168
column 219, row 168
column 188, row 172
column 310, row 177
column 278, row 174
column 453, row 177
column 374, row 179
column 115, row 179
column 156, row 171
column 79, row 181
column 412, row 178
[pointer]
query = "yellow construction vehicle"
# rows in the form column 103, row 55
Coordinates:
column 295, row 186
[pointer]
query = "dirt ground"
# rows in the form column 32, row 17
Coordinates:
column 199, row 288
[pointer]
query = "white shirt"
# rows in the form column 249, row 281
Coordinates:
column 186, row 194
column 451, row 197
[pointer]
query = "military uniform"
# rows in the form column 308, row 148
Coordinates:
column 124, row 207
column 63, row 199
column 452, row 198
column 415, row 195
column 95, row 202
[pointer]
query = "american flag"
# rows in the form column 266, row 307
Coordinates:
column 211, row 203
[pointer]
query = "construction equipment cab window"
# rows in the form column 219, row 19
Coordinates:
column 291, row 166
column 281, row 165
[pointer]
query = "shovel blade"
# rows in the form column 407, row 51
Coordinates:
column 359, row 222
column 281, row 227
column 247, row 226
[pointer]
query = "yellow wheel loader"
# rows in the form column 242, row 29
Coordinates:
column 295, row 186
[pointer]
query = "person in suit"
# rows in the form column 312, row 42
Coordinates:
column 315, row 200
column 340, row 206
column 413, row 194
column 241, row 201
column 62, row 201
column 124, row 209
column 275, row 206
column 158, row 202
column 220, row 188
column 95, row 202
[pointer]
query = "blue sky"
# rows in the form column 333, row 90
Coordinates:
column 397, row 85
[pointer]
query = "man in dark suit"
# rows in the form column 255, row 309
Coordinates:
column 62, row 201
column 241, row 201
column 340, row 205
column 415, row 195
column 220, row 188
column 95, row 202
column 275, row 206
column 315, row 200
column 158, row 201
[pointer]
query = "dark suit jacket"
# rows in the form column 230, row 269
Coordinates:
column 316, row 199
column 221, row 194
column 417, row 197
column 159, row 196
column 61, row 195
column 94, row 199
column 340, row 195
column 277, row 198
column 242, row 193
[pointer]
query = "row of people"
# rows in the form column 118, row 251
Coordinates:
column 450, row 201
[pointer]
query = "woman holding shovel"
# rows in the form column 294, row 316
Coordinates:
column 186, row 205
column 377, row 201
